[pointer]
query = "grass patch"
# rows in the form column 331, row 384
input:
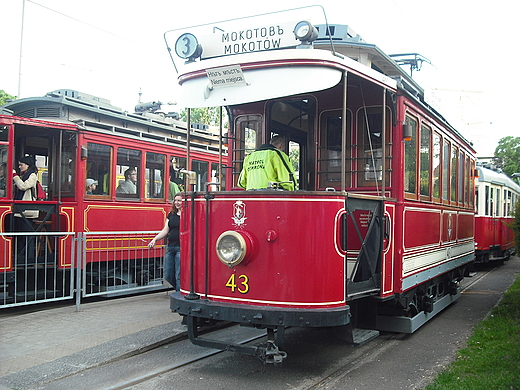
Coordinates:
column 491, row 358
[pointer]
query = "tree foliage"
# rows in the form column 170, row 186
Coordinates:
column 507, row 155
column 5, row 97
column 208, row 116
column 515, row 225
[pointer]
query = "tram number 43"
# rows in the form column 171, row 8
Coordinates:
column 239, row 283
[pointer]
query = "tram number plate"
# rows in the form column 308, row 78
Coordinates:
column 238, row 283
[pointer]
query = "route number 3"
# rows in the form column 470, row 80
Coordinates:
column 239, row 283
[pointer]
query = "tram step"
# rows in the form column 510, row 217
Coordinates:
column 355, row 336
column 362, row 336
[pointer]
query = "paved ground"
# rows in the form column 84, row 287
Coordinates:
column 44, row 342
column 40, row 342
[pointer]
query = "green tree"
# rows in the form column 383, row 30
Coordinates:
column 515, row 225
column 4, row 97
column 208, row 116
column 507, row 155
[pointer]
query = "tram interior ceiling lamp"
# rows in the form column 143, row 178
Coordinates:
column 407, row 132
column 306, row 33
column 188, row 47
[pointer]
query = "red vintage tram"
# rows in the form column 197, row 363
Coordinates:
column 497, row 195
column 75, row 138
column 380, row 230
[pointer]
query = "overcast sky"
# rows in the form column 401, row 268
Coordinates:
column 115, row 49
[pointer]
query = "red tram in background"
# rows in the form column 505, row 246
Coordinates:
column 75, row 137
column 496, row 198
column 381, row 228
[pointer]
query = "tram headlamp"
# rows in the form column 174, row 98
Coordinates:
column 231, row 248
column 305, row 32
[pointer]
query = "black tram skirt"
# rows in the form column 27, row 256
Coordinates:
column 260, row 316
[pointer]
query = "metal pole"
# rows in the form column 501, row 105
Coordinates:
column 220, row 148
column 21, row 46
column 383, row 151
column 344, row 134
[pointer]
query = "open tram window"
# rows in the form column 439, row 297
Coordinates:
column 127, row 171
column 98, row 163
column 330, row 151
column 155, row 168
column 370, row 145
column 410, row 158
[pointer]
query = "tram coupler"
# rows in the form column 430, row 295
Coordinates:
column 271, row 354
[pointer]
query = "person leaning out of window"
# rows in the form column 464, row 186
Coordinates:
column 25, row 182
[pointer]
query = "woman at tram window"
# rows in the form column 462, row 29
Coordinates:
column 25, row 188
column 26, row 181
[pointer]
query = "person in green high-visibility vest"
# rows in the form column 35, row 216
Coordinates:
column 268, row 164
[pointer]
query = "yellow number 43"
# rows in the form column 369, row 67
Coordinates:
column 241, row 286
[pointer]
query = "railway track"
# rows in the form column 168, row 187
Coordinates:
column 173, row 360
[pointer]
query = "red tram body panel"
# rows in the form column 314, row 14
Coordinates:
column 380, row 230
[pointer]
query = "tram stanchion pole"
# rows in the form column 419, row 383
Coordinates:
column 192, row 295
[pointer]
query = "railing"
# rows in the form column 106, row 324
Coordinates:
column 50, row 266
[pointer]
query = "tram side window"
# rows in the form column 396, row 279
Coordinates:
column 98, row 163
column 68, row 168
column 248, row 130
column 201, row 168
column 445, row 169
column 215, row 177
column 453, row 185
column 410, row 159
column 127, row 171
column 487, row 201
column 497, row 202
column 4, row 133
column 436, row 171
column 3, row 170
column 155, row 168
column 470, row 179
column 176, row 183
column 425, row 161
column 462, row 177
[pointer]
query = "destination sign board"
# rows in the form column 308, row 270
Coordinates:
column 249, row 40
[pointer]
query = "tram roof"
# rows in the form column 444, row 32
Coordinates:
column 97, row 114
column 490, row 176
column 268, row 76
column 225, row 45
